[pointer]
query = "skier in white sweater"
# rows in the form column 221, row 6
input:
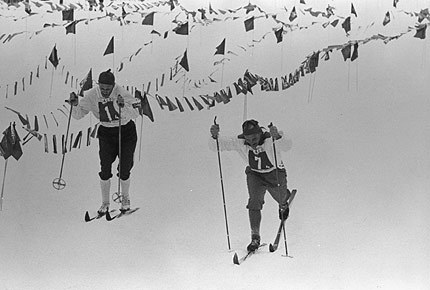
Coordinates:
column 104, row 102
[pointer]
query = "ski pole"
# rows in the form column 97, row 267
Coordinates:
column 277, row 180
column 119, row 196
column 222, row 189
column 59, row 183
column 2, row 187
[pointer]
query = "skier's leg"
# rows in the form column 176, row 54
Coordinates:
column 280, row 193
column 128, row 147
column 105, row 191
column 256, row 191
column 107, row 155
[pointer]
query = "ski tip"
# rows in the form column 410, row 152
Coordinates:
column 87, row 217
column 109, row 217
column 235, row 259
column 271, row 248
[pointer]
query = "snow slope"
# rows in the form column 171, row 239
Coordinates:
column 360, row 161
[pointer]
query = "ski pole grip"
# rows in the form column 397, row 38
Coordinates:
column 270, row 125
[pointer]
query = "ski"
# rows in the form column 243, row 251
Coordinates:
column 238, row 261
column 89, row 218
column 121, row 214
column 273, row 247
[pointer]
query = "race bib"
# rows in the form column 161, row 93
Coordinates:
column 107, row 112
column 259, row 160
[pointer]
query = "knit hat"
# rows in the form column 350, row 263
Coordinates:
column 250, row 127
column 107, row 78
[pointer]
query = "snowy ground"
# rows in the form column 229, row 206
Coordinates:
column 360, row 161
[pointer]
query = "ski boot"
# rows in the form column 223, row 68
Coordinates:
column 255, row 243
column 125, row 204
column 103, row 209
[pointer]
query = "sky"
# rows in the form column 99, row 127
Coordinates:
column 360, row 158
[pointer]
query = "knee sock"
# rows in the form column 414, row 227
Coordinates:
column 105, row 190
column 255, row 220
column 125, row 187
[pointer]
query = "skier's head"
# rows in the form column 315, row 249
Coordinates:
column 251, row 132
column 106, row 83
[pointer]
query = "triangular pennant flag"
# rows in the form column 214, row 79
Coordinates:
column 206, row 101
column 86, row 83
column 184, row 62
column 9, row 145
column 77, row 140
column 224, row 96
column 71, row 28
column 353, row 10
column 53, row 57
column 249, row 24
column 313, row 62
column 250, row 78
column 198, row 105
column 110, row 47
column 211, row 10
column 149, row 19
column 217, row 96
column 68, row 15
column 94, row 132
column 276, row 87
column 421, row 31
column 347, row 24
column 293, row 14
column 386, row 18
column 278, row 35
column 21, row 118
column 249, row 7
column 189, row 104
column 334, row 23
column 181, row 108
column 89, row 136
column 346, row 52
column 54, row 144
column 36, row 123
column 220, row 49
column 63, row 145
column 354, row 55
column 181, row 29
column 302, row 2
column 45, row 140
column 161, row 101
column 395, row 3
column 171, row 106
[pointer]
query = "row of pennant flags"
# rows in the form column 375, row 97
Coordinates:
column 200, row 16
column 243, row 85
column 180, row 62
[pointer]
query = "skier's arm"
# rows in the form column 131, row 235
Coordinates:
column 80, row 108
column 131, row 103
column 225, row 143
column 283, row 143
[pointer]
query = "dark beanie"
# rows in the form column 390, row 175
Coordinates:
column 107, row 78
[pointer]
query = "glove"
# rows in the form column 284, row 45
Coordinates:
column 274, row 132
column 214, row 131
column 120, row 101
column 73, row 99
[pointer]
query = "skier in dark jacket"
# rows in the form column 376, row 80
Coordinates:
column 255, row 146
